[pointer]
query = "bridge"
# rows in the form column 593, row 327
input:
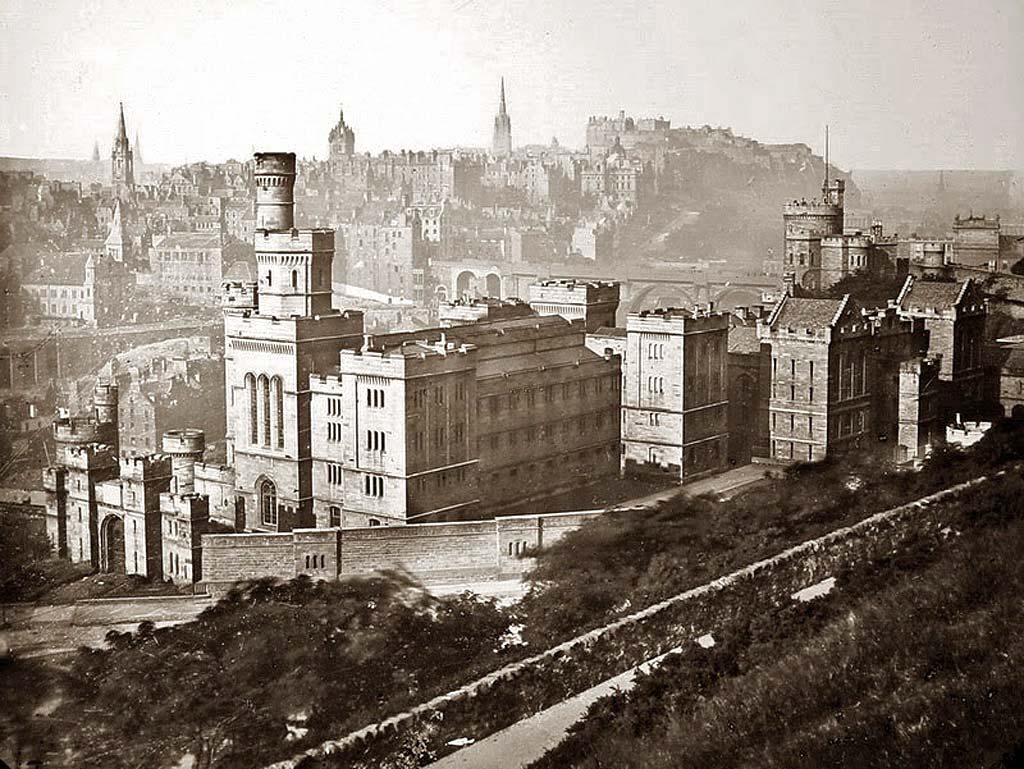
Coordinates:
column 643, row 287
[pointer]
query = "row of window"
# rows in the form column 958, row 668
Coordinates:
column 376, row 440
column 264, row 393
column 375, row 397
column 547, row 394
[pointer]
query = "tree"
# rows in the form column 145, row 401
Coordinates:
column 226, row 688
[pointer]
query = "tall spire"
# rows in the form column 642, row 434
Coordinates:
column 122, row 134
column 501, row 145
column 501, row 106
column 826, row 156
column 96, row 152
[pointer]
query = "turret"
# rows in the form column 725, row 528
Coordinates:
column 275, row 190
column 185, row 448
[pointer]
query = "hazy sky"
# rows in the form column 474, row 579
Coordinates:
column 904, row 83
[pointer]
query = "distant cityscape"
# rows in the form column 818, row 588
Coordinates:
column 418, row 336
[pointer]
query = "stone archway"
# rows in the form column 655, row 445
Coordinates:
column 731, row 298
column 493, row 284
column 112, row 542
column 653, row 296
column 465, row 283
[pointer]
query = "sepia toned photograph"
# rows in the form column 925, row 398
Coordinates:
column 511, row 384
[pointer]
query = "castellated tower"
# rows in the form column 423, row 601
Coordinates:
column 807, row 223
column 276, row 333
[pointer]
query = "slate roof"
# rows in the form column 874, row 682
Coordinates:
column 744, row 340
column 932, row 295
column 800, row 312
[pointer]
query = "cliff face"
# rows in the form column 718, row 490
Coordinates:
column 721, row 197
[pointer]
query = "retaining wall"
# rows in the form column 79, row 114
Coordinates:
column 431, row 552
column 523, row 688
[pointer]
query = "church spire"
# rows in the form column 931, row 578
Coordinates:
column 501, row 145
column 122, row 134
column 137, row 148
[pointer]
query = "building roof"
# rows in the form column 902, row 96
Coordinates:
column 744, row 340
column 188, row 240
column 801, row 312
column 60, row 270
column 1014, row 363
column 932, row 294
column 610, row 331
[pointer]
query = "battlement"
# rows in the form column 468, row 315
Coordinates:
column 192, row 507
column 400, row 360
column 575, row 291
column 187, row 441
column 241, row 295
column 972, row 222
column 811, row 208
column 79, row 430
column 855, row 240
column 90, row 457
column 676, row 320
column 293, row 241
column 145, row 468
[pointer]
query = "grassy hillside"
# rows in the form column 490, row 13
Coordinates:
column 912, row 662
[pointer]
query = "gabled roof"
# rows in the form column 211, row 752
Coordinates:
column 938, row 296
column 801, row 312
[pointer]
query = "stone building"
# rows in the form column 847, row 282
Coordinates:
column 188, row 265
column 80, row 288
column 806, row 224
column 445, row 423
column 954, row 314
column 836, row 377
column 342, row 139
column 674, row 395
column 976, row 242
column 749, row 378
column 595, row 302
column 275, row 334
column 385, row 253
column 501, row 144
column 487, row 309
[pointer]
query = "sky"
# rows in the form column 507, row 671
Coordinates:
column 903, row 83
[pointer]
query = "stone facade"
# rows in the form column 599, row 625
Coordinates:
column 443, row 422
column 675, row 398
column 595, row 302
column 976, row 242
column 806, row 223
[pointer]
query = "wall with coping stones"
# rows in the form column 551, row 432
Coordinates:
column 429, row 551
column 527, row 686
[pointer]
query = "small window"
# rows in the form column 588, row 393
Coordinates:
column 295, row 278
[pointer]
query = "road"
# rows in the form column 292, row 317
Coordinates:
column 525, row 741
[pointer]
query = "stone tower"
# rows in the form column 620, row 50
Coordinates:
column 341, row 139
column 284, row 329
column 122, row 166
column 806, row 223
column 502, row 145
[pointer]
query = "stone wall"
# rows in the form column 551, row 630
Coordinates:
column 522, row 688
column 431, row 552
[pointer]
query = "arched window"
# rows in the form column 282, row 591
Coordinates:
column 250, row 387
column 278, row 387
column 267, row 494
column 264, row 388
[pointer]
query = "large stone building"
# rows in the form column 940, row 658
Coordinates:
column 385, row 253
column 674, row 392
column 446, row 423
column 82, row 288
column 595, row 302
column 276, row 334
column 846, row 377
column 976, row 242
column 806, row 224
column 188, row 265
